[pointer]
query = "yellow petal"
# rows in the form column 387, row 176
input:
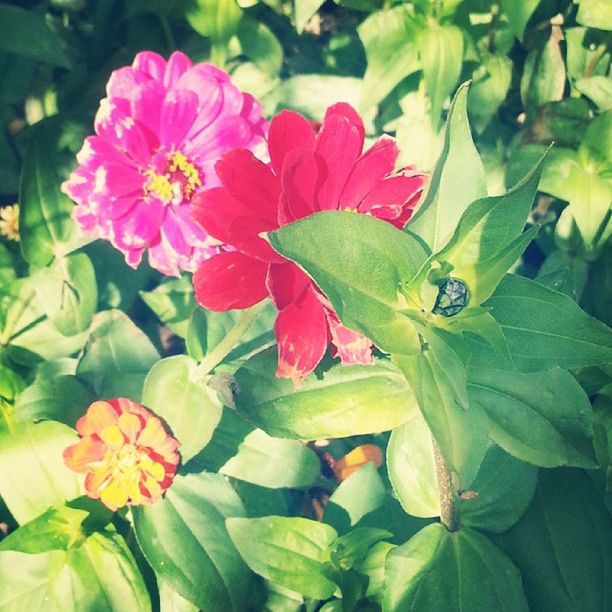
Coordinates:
column 130, row 425
column 112, row 436
column 114, row 496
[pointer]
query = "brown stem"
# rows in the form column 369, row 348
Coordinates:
column 448, row 511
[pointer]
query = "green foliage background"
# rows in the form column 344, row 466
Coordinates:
column 236, row 530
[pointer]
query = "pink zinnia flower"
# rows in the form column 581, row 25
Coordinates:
column 159, row 132
column 308, row 172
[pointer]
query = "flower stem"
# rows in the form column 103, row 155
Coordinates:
column 221, row 351
column 448, row 511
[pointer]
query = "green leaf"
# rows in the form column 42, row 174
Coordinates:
column 7, row 271
column 100, row 574
column 441, row 52
column 116, row 357
column 562, row 545
column 438, row 570
column 489, row 238
column 33, row 475
column 388, row 39
column 289, row 551
column 25, row 33
column 343, row 401
column 62, row 398
column 260, row 45
column 544, row 74
column 489, row 89
column 595, row 14
column 351, row 549
column 184, row 538
column 544, row 328
column 438, row 379
column 544, row 418
column 373, row 566
column 304, row 10
column 564, row 273
column 311, row 94
column 177, row 392
column 239, row 450
column 44, row 216
column 68, row 293
column 217, row 20
column 518, row 13
column 500, row 493
column 412, row 470
column 173, row 302
column 458, row 179
column 598, row 89
column 360, row 263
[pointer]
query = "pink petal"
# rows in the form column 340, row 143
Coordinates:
column 146, row 106
column 288, row 131
column 230, row 280
column 302, row 334
column 370, row 168
column 225, row 133
column 140, row 227
column 178, row 113
column 338, row 146
column 115, row 126
column 151, row 64
column 124, row 82
column 251, row 182
column 178, row 64
column 286, row 283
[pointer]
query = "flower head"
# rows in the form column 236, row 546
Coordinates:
column 309, row 172
column 126, row 452
column 9, row 222
column 159, row 132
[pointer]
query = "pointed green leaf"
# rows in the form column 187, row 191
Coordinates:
column 439, row 382
column 343, row 401
column 184, row 538
column 518, row 13
column 68, row 293
column 289, row 551
column 439, row 571
column 458, row 179
column 562, row 545
column 178, row 392
column 44, row 216
column 33, row 475
column 359, row 262
column 544, row 418
column 544, row 328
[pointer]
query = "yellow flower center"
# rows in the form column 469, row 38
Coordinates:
column 9, row 222
column 178, row 183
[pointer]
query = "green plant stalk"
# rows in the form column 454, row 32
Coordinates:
column 220, row 352
column 448, row 511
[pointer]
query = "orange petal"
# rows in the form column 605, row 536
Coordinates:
column 98, row 416
column 358, row 457
column 130, row 425
column 95, row 480
column 79, row 456
column 153, row 435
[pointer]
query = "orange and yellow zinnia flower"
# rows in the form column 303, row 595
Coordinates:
column 126, row 452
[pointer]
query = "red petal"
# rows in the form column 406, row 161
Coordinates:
column 346, row 110
column 394, row 199
column 370, row 168
column 288, row 131
column 225, row 218
column 251, row 182
column 299, row 181
column 302, row 335
column 339, row 144
column 230, row 280
column 286, row 283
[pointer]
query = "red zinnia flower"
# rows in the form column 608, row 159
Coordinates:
column 308, row 172
column 126, row 452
